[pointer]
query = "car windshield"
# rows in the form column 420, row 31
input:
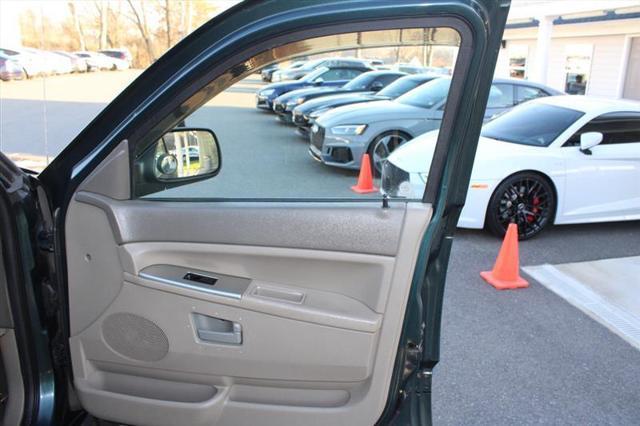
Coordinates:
column 532, row 124
column 314, row 74
column 311, row 65
column 399, row 87
column 361, row 82
column 427, row 95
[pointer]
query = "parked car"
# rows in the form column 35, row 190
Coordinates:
column 559, row 159
column 341, row 136
column 122, row 54
column 48, row 64
column 31, row 64
column 323, row 76
column 58, row 64
column 267, row 72
column 371, row 81
column 309, row 66
column 121, row 59
column 132, row 295
column 410, row 68
column 10, row 69
column 277, row 74
column 78, row 64
column 304, row 115
column 97, row 61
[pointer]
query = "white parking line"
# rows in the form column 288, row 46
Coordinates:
column 606, row 290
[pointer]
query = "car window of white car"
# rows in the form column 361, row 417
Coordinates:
column 616, row 128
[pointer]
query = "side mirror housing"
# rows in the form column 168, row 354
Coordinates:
column 588, row 140
column 318, row 81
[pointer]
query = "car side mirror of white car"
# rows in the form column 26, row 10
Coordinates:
column 588, row 140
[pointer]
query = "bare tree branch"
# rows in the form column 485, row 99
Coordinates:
column 141, row 22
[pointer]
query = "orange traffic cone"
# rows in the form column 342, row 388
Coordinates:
column 506, row 272
column 365, row 180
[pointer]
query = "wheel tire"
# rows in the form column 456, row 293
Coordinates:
column 391, row 140
column 526, row 198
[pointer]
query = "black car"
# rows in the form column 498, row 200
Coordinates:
column 336, row 76
column 369, row 82
column 131, row 292
column 303, row 115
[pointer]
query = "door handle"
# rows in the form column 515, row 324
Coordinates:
column 217, row 330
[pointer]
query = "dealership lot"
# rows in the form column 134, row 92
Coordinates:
column 528, row 352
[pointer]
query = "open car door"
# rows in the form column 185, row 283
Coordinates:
column 194, row 289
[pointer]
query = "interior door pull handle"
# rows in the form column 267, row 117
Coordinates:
column 217, row 330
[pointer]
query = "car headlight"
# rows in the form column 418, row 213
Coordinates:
column 317, row 113
column 349, row 129
column 267, row 92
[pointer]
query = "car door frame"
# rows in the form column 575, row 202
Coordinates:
column 571, row 153
column 188, row 67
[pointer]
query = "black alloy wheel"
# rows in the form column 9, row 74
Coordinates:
column 526, row 199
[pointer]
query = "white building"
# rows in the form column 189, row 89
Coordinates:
column 588, row 46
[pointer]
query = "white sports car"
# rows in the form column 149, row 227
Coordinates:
column 560, row 159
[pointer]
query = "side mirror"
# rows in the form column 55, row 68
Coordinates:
column 376, row 86
column 588, row 140
column 186, row 153
column 318, row 81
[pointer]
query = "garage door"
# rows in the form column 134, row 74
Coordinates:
column 632, row 82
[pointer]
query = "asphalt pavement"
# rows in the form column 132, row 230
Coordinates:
column 511, row 357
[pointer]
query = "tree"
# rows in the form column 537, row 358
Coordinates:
column 140, row 19
column 77, row 25
column 103, row 17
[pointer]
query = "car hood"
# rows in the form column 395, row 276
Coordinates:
column 307, row 91
column 415, row 156
column 284, row 86
column 334, row 101
column 371, row 113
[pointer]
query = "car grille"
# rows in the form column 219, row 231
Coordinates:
column 278, row 107
column 317, row 136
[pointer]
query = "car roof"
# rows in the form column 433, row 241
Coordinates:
column 384, row 72
column 590, row 104
column 521, row 82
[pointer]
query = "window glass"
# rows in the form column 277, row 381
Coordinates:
column 577, row 68
column 615, row 130
column 500, row 96
column 360, row 83
column 272, row 143
column 526, row 93
column 313, row 75
column 531, row 124
column 427, row 95
column 388, row 79
column 399, row 87
column 518, row 54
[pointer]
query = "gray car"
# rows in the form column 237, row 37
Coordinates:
column 341, row 137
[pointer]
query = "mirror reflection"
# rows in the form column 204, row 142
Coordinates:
column 185, row 152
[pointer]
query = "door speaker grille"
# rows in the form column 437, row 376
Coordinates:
column 135, row 337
